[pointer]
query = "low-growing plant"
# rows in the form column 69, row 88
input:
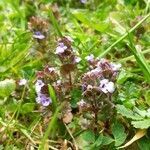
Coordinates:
column 74, row 75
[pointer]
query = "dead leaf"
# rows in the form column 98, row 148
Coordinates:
column 67, row 118
column 137, row 136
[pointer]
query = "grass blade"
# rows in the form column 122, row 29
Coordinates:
column 140, row 60
column 54, row 22
column 50, row 127
column 123, row 37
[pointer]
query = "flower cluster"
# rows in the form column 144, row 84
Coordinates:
column 39, row 27
column 49, row 74
column 102, row 76
column 42, row 98
column 66, row 55
column 98, row 85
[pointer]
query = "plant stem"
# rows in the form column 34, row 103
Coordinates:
column 70, row 80
column 75, row 144
column 50, row 127
column 95, row 109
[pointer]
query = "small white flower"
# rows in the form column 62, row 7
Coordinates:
column 90, row 58
column 111, row 87
column 115, row 67
column 23, row 82
column 39, row 84
column 107, row 86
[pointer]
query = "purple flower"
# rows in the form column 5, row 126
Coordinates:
column 84, row 87
column 43, row 99
column 83, row 1
column 107, row 86
column 38, row 35
column 90, row 58
column 38, row 85
column 61, row 48
column 95, row 72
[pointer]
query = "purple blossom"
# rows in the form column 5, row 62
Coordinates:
column 90, row 58
column 43, row 99
column 95, row 72
column 84, row 87
column 38, row 35
column 102, row 62
column 107, row 86
column 61, row 48
column 38, row 85
column 83, row 1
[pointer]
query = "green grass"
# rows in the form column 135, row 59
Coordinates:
column 116, row 30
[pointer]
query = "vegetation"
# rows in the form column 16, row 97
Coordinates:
column 74, row 74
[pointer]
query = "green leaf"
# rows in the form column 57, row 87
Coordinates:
column 51, row 130
column 115, row 18
column 75, row 97
column 123, row 76
column 86, row 140
column 142, row 113
column 7, row 87
column 128, row 113
column 143, row 64
column 143, row 124
column 52, row 96
column 27, row 107
column 144, row 144
column 147, row 96
column 128, row 94
column 54, row 23
column 107, row 140
column 88, row 136
column 85, row 18
column 99, row 140
column 118, row 133
column 1, row 147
